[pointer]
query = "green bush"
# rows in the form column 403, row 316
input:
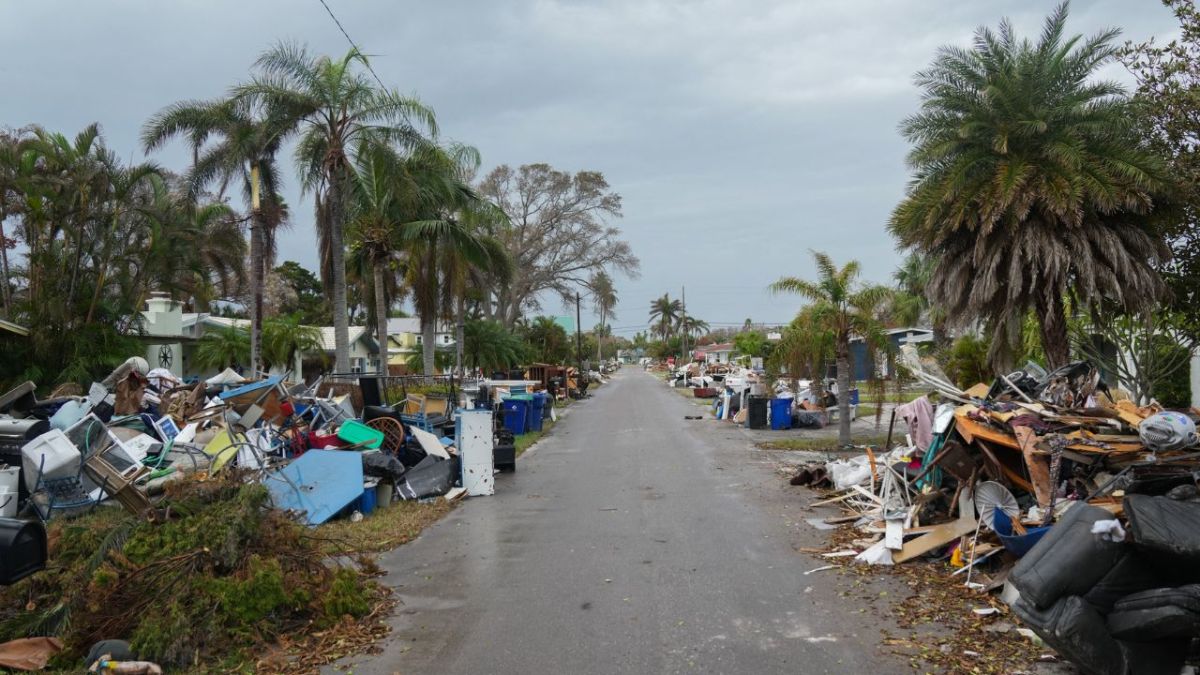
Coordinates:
column 968, row 362
column 1175, row 391
column 221, row 576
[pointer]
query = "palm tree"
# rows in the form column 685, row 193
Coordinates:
column 547, row 340
column 693, row 326
column 490, row 346
column 10, row 162
column 203, row 258
column 222, row 347
column 665, row 312
column 339, row 112
column 245, row 140
column 448, row 236
column 375, row 214
column 841, row 306
column 604, row 298
column 284, row 337
column 1029, row 185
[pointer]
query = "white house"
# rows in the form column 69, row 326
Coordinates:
column 172, row 337
column 718, row 353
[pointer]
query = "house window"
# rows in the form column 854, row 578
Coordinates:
column 445, row 339
column 419, row 339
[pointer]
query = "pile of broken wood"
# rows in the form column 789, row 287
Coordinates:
column 1000, row 464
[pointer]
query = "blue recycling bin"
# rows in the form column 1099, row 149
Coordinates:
column 535, row 413
column 781, row 413
column 516, row 411
column 854, row 396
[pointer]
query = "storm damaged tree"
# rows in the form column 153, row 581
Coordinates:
column 558, row 235
column 1030, row 186
column 844, row 308
column 1167, row 101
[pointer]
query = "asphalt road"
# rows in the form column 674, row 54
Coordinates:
column 627, row 542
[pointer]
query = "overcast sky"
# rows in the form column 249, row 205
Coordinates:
column 740, row 133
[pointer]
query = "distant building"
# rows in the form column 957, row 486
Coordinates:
column 861, row 368
column 718, row 353
column 173, row 335
column 405, row 340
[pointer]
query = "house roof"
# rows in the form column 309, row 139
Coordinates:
column 720, row 347
column 329, row 343
column 412, row 324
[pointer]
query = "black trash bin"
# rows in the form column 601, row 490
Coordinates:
column 757, row 417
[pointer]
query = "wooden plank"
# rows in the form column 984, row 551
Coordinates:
column 939, row 536
column 972, row 430
column 978, row 391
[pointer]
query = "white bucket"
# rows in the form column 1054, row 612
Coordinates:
column 8, row 503
column 10, row 478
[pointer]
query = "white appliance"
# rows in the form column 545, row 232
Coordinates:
column 473, row 437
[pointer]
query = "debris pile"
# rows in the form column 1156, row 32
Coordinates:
column 173, row 515
column 1079, row 505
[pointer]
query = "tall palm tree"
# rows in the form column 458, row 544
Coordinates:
column 665, row 313
column 204, row 257
column 10, row 162
column 604, row 298
column 843, row 307
column 245, row 140
column 1029, row 185
column 449, row 235
column 376, row 214
column 339, row 111
column 693, row 326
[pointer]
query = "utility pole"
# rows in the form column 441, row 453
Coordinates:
column 578, row 336
column 683, row 307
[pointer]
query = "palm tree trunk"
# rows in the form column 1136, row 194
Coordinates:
column 428, row 338
column 256, row 292
column 4, row 291
column 1052, row 320
column 337, row 256
column 460, row 334
column 843, row 394
column 600, row 339
column 381, row 318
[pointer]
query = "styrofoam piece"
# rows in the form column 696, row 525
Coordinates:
column 52, row 454
column 429, row 443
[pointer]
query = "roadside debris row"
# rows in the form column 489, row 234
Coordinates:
column 1077, row 505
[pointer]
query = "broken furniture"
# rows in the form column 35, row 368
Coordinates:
column 317, row 485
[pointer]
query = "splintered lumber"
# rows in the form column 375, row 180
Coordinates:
column 1129, row 413
column 978, row 391
column 1038, row 465
column 937, row 537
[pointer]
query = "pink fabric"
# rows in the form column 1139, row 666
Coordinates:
column 919, row 415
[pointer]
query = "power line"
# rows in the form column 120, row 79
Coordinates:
column 366, row 61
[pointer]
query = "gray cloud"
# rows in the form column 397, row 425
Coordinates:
column 740, row 134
